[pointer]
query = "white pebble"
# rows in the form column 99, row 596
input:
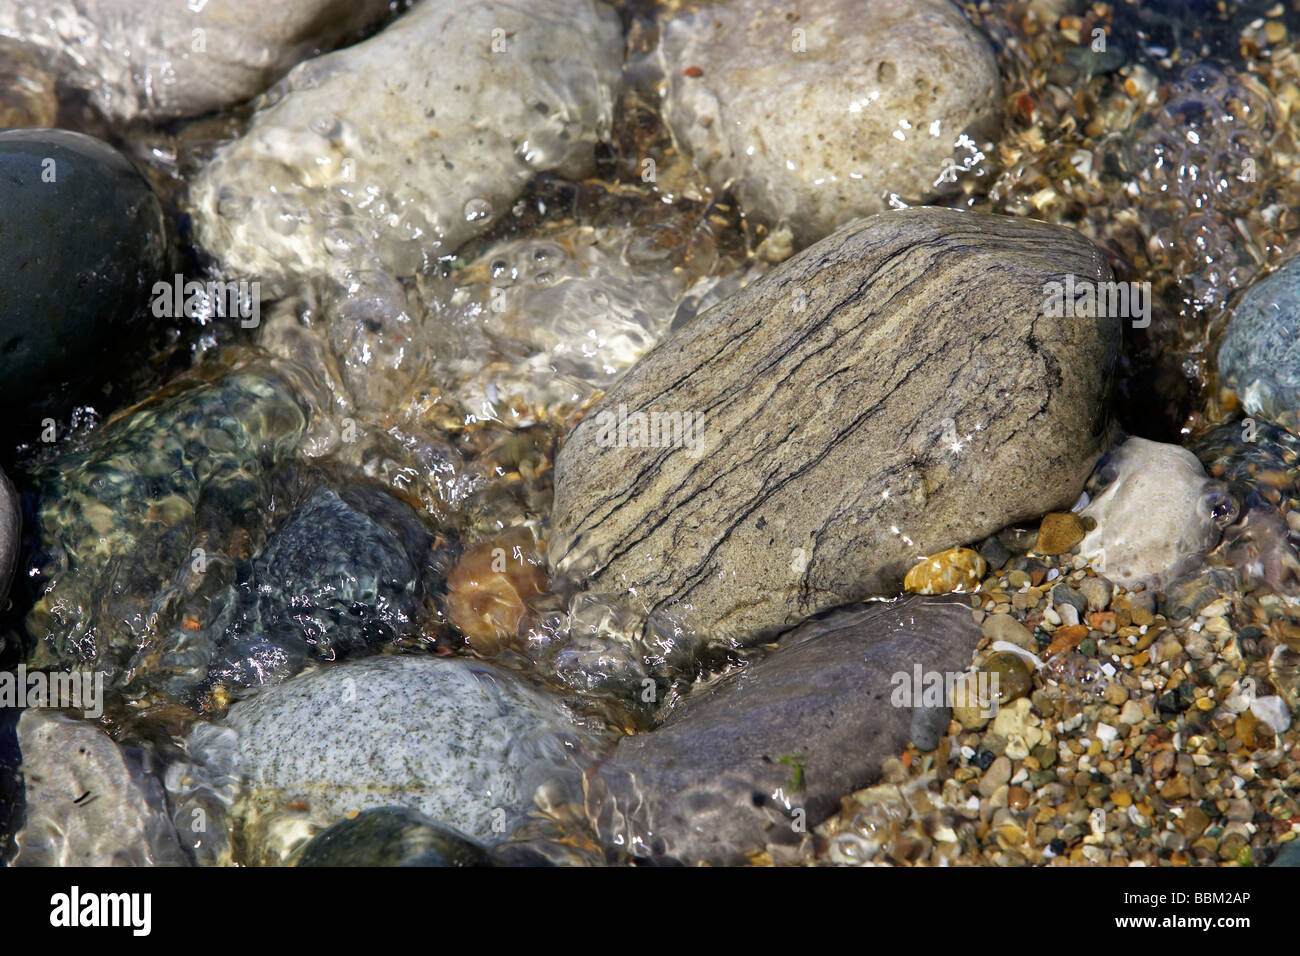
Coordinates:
column 1272, row 711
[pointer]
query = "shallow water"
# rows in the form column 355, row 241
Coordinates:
column 451, row 389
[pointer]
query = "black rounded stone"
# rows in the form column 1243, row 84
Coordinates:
column 82, row 242
column 392, row 836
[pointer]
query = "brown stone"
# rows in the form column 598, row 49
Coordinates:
column 1059, row 532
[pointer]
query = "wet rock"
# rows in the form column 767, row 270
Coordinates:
column 391, row 836
column 957, row 569
column 159, row 60
column 823, row 112
column 804, row 486
column 1012, row 674
column 371, row 156
column 1259, row 356
column 1005, row 627
column 11, row 522
column 490, row 585
column 764, row 754
column 83, row 245
column 1260, row 463
column 1097, row 592
column 1186, row 596
column 89, row 801
column 1058, row 533
column 1289, row 855
column 345, row 571
column 146, row 516
column 550, row 317
column 452, row 738
column 1156, row 515
column 994, row 553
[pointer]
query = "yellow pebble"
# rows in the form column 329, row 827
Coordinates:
column 957, row 569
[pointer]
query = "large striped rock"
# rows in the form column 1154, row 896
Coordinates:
column 894, row 390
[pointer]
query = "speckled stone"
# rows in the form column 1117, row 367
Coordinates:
column 818, row 111
column 457, row 740
column 159, row 59
column 371, row 155
column 1260, row 352
column 853, row 419
column 126, row 822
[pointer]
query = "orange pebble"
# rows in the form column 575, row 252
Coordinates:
column 488, row 590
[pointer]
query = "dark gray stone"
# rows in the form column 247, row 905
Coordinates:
column 1289, row 855
column 743, row 763
column 81, row 244
column 11, row 527
column 392, row 836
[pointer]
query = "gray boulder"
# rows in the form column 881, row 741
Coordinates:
column 458, row 740
column 893, row 391
column 757, row 759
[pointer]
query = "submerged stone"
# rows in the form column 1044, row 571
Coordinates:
column 1259, row 356
column 826, row 111
column 889, row 393
column 89, row 801
column 1157, row 514
column 147, row 514
column 763, row 755
column 391, row 836
column 344, row 572
column 82, row 242
column 158, row 59
column 457, row 740
column 397, row 150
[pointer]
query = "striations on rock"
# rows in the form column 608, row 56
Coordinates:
column 892, row 391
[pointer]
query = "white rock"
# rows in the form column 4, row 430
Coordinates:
column 822, row 110
column 89, row 801
column 1154, row 517
column 1272, row 711
column 160, row 59
column 393, row 152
